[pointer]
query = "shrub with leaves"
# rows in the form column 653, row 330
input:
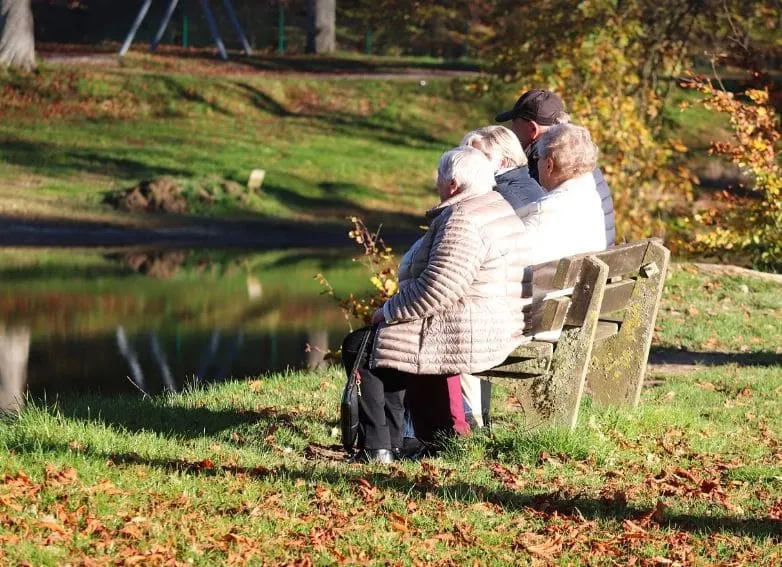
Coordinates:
column 748, row 227
column 379, row 261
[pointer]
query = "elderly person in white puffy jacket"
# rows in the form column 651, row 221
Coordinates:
column 459, row 309
column 568, row 220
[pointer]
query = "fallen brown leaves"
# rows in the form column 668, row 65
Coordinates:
column 684, row 483
column 59, row 94
column 406, row 509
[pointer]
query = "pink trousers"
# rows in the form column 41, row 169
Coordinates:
column 436, row 407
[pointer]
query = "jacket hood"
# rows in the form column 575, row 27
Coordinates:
column 460, row 197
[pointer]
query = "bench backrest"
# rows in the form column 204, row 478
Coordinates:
column 600, row 310
column 555, row 305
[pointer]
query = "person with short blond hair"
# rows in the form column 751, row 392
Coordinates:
column 499, row 144
column 503, row 149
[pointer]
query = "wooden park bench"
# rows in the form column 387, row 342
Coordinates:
column 605, row 305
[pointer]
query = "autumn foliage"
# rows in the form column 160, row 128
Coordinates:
column 751, row 225
column 379, row 261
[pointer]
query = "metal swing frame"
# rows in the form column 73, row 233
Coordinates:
column 142, row 14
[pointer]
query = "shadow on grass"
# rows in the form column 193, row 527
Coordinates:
column 334, row 200
column 668, row 355
column 181, row 91
column 61, row 159
column 397, row 132
column 546, row 503
column 134, row 415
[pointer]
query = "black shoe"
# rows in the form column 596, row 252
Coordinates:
column 410, row 447
column 424, row 452
column 384, row 456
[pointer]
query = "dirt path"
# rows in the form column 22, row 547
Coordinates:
column 728, row 270
column 239, row 66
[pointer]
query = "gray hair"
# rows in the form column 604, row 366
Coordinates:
column 571, row 149
column 561, row 117
column 497, row 143
column 471, row 170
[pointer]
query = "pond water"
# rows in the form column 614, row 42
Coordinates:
column 127, row 320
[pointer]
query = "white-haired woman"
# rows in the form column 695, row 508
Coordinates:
column 506, row 155
column 458, row 309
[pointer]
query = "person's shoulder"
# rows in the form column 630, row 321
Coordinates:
column 516, row 174
column 483, row 208
column 529, row 211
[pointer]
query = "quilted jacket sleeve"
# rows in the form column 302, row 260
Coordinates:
column 454, row 261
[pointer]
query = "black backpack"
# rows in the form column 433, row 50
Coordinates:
column 348, row 409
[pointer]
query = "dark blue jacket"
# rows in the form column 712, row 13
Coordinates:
column 518, row 188
column 602, row 188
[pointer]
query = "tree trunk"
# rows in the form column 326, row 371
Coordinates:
column 322, row 27
column 17, row 42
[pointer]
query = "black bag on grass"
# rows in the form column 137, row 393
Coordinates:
column 348, row 409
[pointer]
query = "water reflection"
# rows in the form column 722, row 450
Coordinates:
column 86, row 321
column 14, row 353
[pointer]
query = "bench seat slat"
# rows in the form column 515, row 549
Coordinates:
column 530, row 359
column 533, row 349
column 554, row 313
column 606, row 329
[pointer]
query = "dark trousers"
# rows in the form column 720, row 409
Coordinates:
column 434, row 401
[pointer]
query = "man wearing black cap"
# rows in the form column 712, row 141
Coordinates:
column 535, row 112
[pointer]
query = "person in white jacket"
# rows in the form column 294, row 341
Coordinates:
column 567, row 220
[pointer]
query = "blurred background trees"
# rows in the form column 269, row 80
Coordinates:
column 618, row 64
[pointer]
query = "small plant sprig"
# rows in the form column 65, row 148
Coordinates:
column 379, row 261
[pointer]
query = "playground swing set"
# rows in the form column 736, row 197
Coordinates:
column 167, row 19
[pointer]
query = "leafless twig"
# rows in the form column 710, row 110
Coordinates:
column 139, row 388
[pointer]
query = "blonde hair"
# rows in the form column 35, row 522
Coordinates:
column 571, row 149
column 499, row 144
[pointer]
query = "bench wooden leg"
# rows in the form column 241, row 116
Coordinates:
column 554, row 398
column 618, row 365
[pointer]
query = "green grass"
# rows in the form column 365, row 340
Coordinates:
column 241, row 471
column 331, row 147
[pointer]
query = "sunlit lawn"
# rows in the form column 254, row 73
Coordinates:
column 330, row 147
column 248, row 471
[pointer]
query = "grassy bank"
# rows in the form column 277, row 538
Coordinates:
column 330, row 146
column 249, row 471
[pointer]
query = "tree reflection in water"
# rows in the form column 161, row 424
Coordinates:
column 14, row 354
column 91, row 321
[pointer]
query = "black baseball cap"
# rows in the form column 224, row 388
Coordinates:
column 536, row 105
